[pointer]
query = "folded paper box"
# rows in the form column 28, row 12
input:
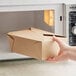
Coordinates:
column 32, row 42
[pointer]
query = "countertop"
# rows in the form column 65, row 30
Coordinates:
column 34, row 67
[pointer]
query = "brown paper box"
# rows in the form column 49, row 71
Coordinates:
column 32, row 42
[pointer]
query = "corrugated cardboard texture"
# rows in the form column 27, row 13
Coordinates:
column 33, row 43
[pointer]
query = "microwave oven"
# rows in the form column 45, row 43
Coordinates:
column 22, row 17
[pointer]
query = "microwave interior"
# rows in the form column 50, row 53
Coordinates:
column 18, row 20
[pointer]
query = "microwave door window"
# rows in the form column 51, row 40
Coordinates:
column 49, row 17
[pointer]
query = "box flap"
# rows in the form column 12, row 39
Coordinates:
column 31, row 33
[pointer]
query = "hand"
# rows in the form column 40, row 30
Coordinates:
column 63, row 55
column 63, row 46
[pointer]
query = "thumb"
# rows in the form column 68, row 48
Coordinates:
column 60, row 42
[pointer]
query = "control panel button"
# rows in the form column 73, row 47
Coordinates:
column 74, row 30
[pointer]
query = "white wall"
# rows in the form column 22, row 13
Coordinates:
column 21, row 2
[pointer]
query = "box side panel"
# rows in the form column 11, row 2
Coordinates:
column 27, row 47
column 50, row 49
column 11, row 41
column 45, row 50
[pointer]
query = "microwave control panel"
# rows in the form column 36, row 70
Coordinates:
column 72, row 28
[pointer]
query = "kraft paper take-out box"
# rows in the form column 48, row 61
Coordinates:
column 33, row 42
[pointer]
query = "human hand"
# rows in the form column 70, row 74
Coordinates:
column 63, row 55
